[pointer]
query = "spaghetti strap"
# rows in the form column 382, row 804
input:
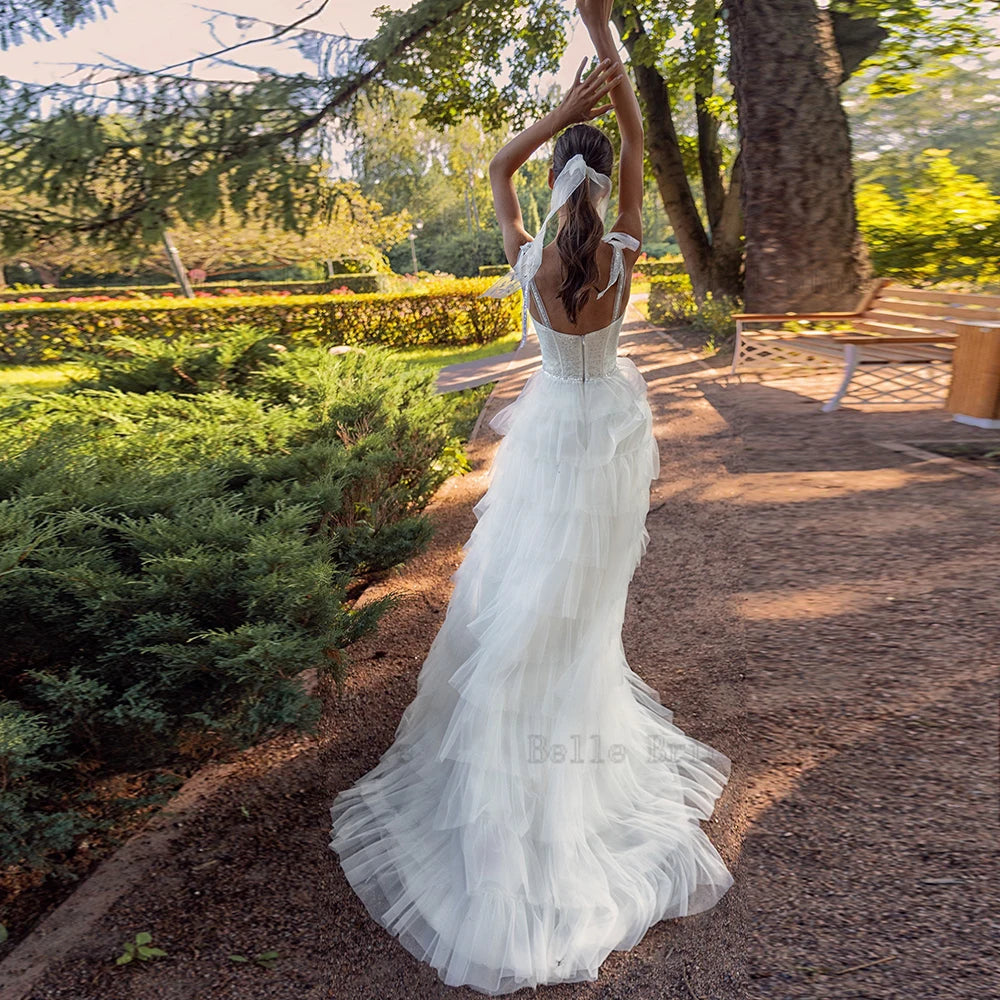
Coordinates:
column 537, row 297
column 619, row 242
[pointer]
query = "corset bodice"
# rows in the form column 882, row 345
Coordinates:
column 579, row 357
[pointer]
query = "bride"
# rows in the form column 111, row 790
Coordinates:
column 538, row 808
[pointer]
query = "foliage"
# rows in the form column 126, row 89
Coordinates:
column 657, row 268
column 916, row 34
column 436, row 174
column 37, row 19
column 951, row 105
column 31, row 748
column 140, row 949
column 715, row 319
column 671, row 300
column 944, row 226
column 351, row 228
column 179, row 145
column 172, row 559
column 265, row 959
column 450, row 312
column 361, row 283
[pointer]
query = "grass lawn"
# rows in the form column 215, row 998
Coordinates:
column 440, row 355
column 38, row 378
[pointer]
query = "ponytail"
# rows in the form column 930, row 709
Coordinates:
column 577, row 243
column 582, row 230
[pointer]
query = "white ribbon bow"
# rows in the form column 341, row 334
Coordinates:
column 619, row 242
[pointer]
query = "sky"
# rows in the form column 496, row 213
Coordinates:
column 181, row 31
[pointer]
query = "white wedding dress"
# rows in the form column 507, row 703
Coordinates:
column 538, row 807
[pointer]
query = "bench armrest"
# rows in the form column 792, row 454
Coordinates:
column 792, row 317
column 910, row 338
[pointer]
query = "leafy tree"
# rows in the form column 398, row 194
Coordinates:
column 950, row 104
column 943, row 226
column 191, row 133
column 37, row 19
column 354, row 229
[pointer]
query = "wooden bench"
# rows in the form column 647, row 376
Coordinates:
column 896, row 347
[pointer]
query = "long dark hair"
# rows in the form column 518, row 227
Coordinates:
column 581, row 233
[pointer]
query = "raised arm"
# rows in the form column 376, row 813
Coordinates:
column 581, row 104
column 596, row 15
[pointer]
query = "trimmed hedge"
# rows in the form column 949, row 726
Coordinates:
column 660, row 268
column 449, row 313
column 359, row 283
column 647, row 268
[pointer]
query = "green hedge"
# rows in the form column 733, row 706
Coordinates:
column 358, row 283
column 172, row 561
column 450, row 313
column 671, row 299
column 660, row 268
column 647, row 268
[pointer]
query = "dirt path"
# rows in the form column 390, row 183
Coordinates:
column 822, row 609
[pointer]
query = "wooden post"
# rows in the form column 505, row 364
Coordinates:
column 177, row 266
column 974, row 397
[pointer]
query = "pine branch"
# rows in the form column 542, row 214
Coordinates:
column 180, row 153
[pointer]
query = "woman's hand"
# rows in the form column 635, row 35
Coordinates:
column 594, row 11
column 582, row 101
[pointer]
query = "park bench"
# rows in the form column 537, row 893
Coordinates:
column 897, row 346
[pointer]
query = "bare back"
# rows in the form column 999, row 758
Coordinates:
column 596, row 313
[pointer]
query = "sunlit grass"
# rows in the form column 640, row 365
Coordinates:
column 439, row 355
column 39, row 378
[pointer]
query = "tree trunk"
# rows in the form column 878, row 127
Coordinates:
column 709, row 154
column 665, row 158
column 803, row 249
column 727, row 239
column 713, row 255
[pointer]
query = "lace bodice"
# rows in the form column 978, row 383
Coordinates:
column 579, row 357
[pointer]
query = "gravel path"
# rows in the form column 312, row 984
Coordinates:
column 821, row 608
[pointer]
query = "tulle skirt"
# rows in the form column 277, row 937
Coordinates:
column 538, row 808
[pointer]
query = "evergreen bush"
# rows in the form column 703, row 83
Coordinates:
column 175, row 549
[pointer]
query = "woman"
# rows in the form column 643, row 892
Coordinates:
column 538, row 808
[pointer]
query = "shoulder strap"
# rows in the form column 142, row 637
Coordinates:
column 539, row 305
column 618, row 242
